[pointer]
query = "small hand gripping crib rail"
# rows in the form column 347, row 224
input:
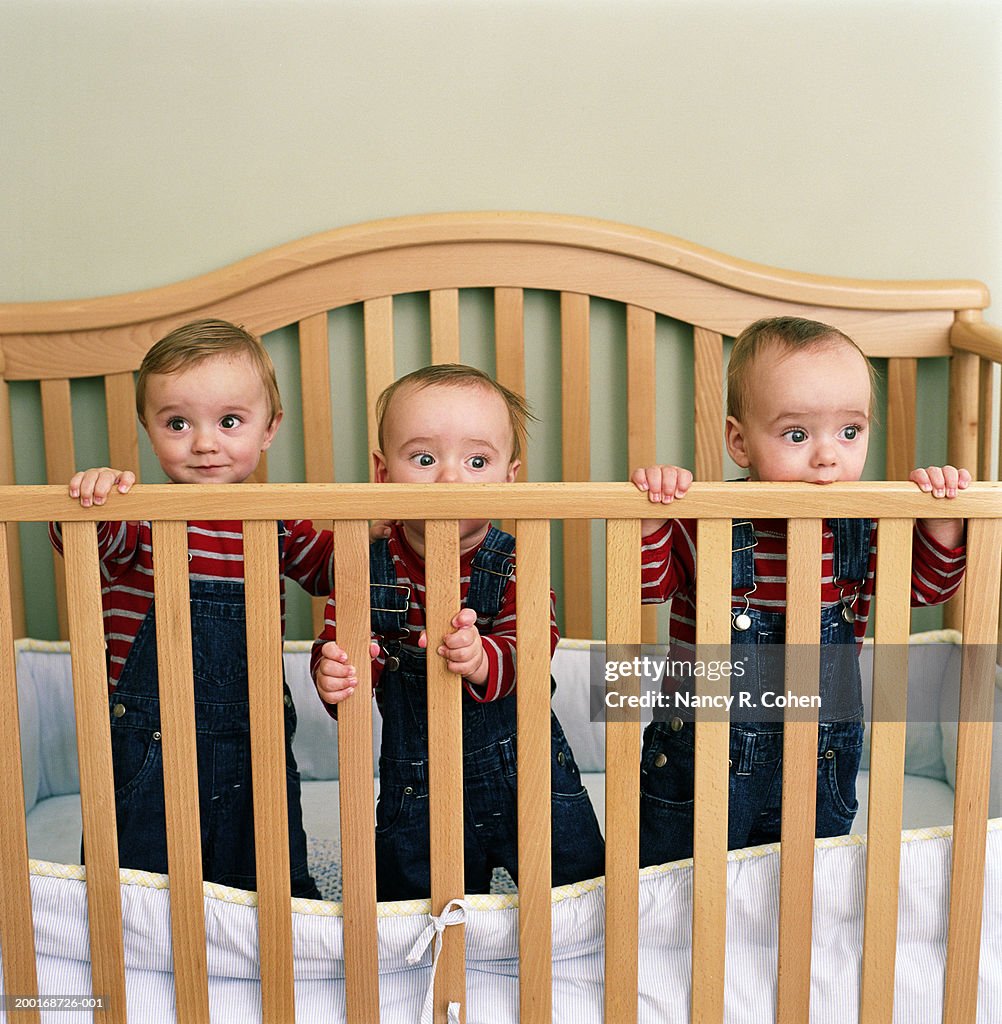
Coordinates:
column 530, row 506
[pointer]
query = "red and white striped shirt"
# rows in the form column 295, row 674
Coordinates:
column 215, row 552
column 499, row 645
column 668, row 560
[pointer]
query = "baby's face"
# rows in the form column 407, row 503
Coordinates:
column 807, row 417
column 446, row 434
column 209, row 423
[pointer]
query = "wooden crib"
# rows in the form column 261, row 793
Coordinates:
column 653, row 281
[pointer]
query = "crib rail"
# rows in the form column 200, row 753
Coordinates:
column 531, row 507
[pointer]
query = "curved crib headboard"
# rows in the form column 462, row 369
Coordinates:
column 652, row 279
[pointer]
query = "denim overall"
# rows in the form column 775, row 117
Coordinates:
column 222, row 724
column 489, row 752
column 756, row 748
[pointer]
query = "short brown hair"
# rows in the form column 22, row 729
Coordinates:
column 194, row 342
column 791, row 333
column 457, row 375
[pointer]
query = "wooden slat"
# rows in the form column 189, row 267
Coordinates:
column 709, row 840
column 57, row 430
column 641, row 445
column 358, row 856
column 902, row 377
column 318, row 426
column 378, row 316
column 535, row 942
column 180, row 757
column 120, row 412
column 622, row 781
column 17, row 937
column 97, row 787
column 509, row 349
column 576, row 452
column 892, row 619
column 962, row 444
column 974, row 748
column 509, row 358
column 7, row 476
column 800, row 746
column 315, row 385
column 986, row 400
column 445, row 766
column 267, row 725
column 444, row 312
column 708, row 355
column 619, row 500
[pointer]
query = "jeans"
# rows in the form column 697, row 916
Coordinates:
column 754, row 787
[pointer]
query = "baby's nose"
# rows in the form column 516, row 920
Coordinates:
column 205, row 440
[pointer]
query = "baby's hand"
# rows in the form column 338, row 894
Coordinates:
column 334, row 677
column 92, row 486
column 379, row 529
column 663, row 484
column 940, row 481
column 463, row 648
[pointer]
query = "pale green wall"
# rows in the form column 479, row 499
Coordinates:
column 146, row 143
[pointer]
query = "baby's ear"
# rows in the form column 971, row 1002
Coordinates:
column 379, row 467
column 270, row 435
column 513, row 469
column 734, row 436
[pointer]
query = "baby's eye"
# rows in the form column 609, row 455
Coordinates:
column 796, row 435
column 424, row 460
column 478, row 461
column 176, row 423
column 229, row 422
column 851, row 432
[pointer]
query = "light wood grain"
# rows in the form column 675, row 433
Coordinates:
column 57, row 429
column 379, row 373
column 622, row 780
column 97, row 788
column 974, row 748
column 902, row 377
column 120, row 412
column 535, row 943
column 7, row 476
column 487, row 501
column 708, row 349
column 445, row 766
column 800, row 746
column 443, row 306
column 709, row 840
column 358, row 856
column 17, row 937
column 575, row 404
column 641, row 409
column 267, row 733
column 892, row 618
column 180, row 767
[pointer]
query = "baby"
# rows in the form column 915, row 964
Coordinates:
column 452, row 424
column 207, row 396
column 799, row 402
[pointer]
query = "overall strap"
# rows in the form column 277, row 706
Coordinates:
column 851, row 555
column 742, row 556
column 492, row 566
column 388, row 600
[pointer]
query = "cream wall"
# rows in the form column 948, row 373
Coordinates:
column 145, row 143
